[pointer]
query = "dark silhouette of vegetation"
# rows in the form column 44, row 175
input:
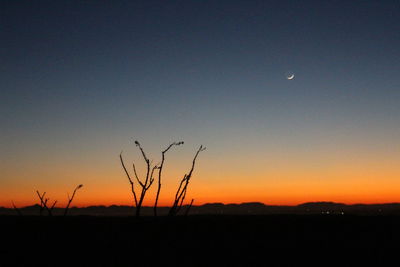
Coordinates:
column 43, row 204
column 16, row 209
column 188, row 208
column 160, row 172
column 183, row 186
column 148, row 181
column 70, row 199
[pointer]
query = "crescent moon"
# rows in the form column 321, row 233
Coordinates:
column 290, row 77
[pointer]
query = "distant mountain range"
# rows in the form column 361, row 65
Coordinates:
column 252, row 208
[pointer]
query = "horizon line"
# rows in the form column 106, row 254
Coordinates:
column 225, row 204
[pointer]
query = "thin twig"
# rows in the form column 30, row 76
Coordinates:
column 72, row 198
column 16, row 209
column 188, row 208
column 43, row 203
column 134, row 171
column 181, row 192
column 129, row 178
column 160, row 172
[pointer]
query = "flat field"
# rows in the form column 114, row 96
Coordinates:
column 270, row 240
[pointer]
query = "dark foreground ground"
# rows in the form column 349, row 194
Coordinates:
column 281, row 240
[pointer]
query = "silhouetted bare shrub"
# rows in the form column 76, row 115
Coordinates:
column 149, row 179
column 144, row 185
column 44, row 201
column 71, row 198
column 43, row 204
column 183, row 186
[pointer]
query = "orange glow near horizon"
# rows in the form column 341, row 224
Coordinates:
column 347, row 175
column 362, row 189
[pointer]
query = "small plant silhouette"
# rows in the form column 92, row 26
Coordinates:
column 16, row 209
column 43, row 204
column 182, row 189
column 44, row 201
column 71, row 198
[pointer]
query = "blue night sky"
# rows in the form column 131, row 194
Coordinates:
column 79, row 79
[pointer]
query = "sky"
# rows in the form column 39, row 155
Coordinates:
column 81, row 80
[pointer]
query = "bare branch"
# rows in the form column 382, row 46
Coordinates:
column 141, row 149
column 16, row 209
column 178, row 192
column 42, row 203
column 151, row 177
column 49, row 210
column 129, row 178
column 40, row 197
column 183, row 196
column 160, row 172
column 146, row 184
column 181, row 192
column 188, row 208
column 137, row 178
column 72, row 198
column 52, row 206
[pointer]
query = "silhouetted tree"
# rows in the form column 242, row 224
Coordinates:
column 71, row 198
column 182, row 189
column 148, row 181
column 160, row 172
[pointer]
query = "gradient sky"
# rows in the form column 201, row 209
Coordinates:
column 80, row 79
